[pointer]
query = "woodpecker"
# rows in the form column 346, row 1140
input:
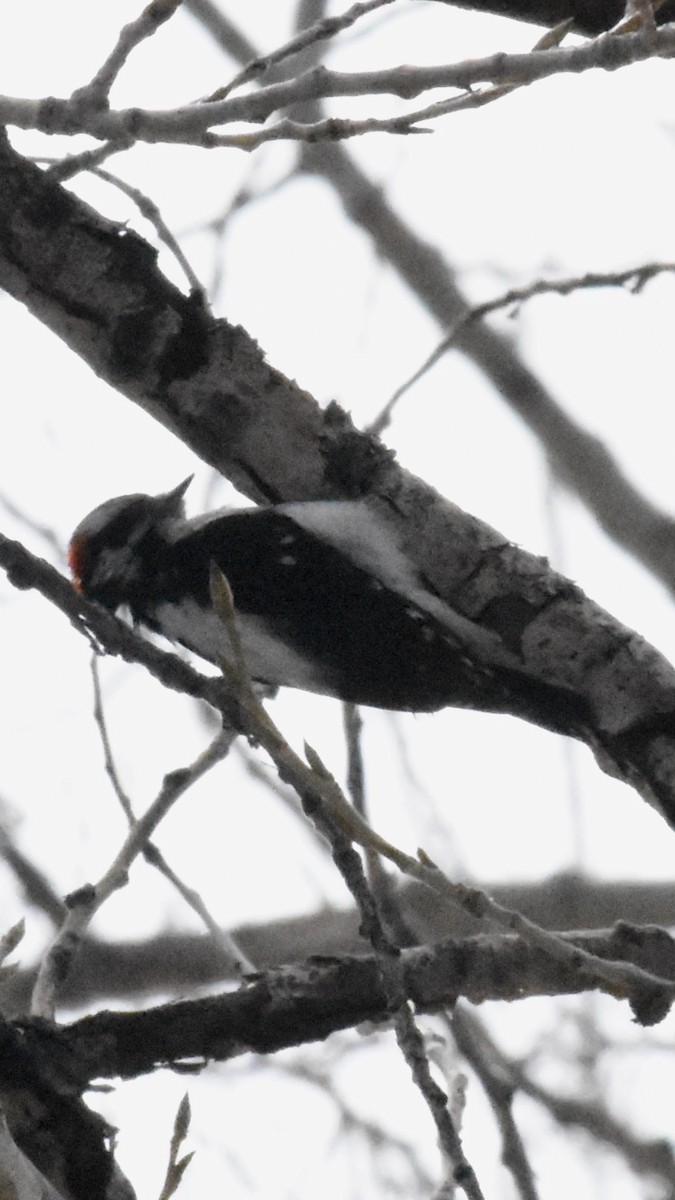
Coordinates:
column 325, row 600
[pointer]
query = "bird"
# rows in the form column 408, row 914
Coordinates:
column 326, row 600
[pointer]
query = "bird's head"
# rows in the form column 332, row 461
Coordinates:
column 111, row 548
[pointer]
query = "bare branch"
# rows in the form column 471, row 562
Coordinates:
column 328, row 27
column 35, row 886
column 305, row 1002
column 95, row 94
column 581, row 460
column 153, row 855
column 332, row 129
column 634, row 280
column 230, row 38
column 650, row 995
column 102, row 629
column 85, row 903
column 480, row 1052
column 86, row 160
column 340, row 824
column 45, row 532
column 66, row 168
column 646, row 1156
column 573, row 668
column 192, row 124
column 171, row 962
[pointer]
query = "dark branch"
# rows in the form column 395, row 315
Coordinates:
column 173, row 962
column 109, row 635
column 304, row 1003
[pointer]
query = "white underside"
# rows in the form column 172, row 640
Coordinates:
column 267, row 659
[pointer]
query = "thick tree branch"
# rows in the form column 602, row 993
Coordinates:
column 50, row 1124
column 100, row 290
column 98, row 287
column 581, row 460
column 172, row 962
column 43, row 1068
column 306, row 1002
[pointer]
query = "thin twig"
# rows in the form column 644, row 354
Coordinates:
column 648, row 1157
column 650, row 995
column 481, row 1053
column 330, row 129
column 328, row 27
column 353, row 727
column 153, row 855
column 408, row 1036
column 148, row 209
column 43, row 531
column 108, row 760
column 353, row 1120
column 621, row 979
column 145, row 205
column 248, row 715
column 95, row 93
column 37, row 890
column 191, row 124
column 85, row 903
column 337, row 821
column 65, row 168
column 102, row 629
column 635, row 279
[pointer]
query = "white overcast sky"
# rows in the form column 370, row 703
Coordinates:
column 570, row 175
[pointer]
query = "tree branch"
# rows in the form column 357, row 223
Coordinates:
column 193, row 123
column 171, row 962
column 581, row 460
column 306, row 1002
column 568, row 665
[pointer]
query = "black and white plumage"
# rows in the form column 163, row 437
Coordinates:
column 325, row 601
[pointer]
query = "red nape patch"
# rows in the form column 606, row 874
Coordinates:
column 76, row 561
